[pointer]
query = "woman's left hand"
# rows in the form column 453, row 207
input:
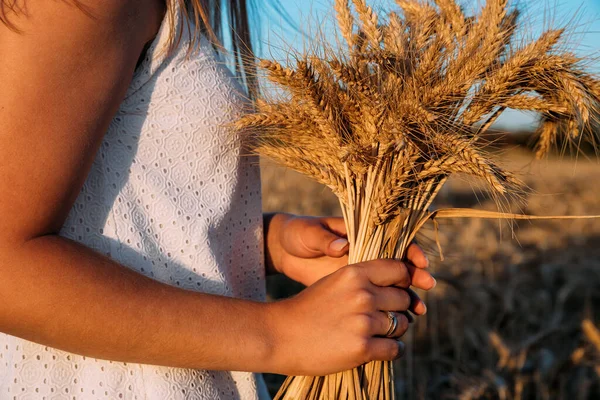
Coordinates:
column 307, row 249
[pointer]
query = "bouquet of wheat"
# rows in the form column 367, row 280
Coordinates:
column 386, row 117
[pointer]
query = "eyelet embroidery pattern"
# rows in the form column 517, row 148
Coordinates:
column 170, row 195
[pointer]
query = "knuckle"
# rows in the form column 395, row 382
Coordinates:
column 363, row 350
column 386, row 263
column 364, row 300
column 405, row 279
column 351, row 273
column 403, row 275
column 362, row 325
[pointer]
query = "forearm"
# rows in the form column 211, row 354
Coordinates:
column 61, row 294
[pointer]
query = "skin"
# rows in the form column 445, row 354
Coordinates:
column 68, row 72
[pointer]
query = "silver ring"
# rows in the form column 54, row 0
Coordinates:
column 393, row 323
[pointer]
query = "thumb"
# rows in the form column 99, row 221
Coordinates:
column 337, row 247
column 328, row 242
column 319, row 241
column 338, row 244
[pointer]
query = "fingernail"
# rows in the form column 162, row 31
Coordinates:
column 401, row 348
column 421, row 309
column 426, row 260
column 338, row 244
column 434, row 282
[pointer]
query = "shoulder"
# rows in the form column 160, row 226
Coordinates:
column 141, row 17
column 68, row 64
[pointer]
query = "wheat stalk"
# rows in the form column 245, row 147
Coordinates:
column 385, row 120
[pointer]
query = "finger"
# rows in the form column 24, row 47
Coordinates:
column 396, row 273
column 319, row 241
column 408, row 315
column 320, row 267
column 336, row 225
column 417, row 306
column 385, row 272
column 416, row 256
column 383, row 324
column 421, row 278
column 391, row 298
column 339, row 246
column 380, row 349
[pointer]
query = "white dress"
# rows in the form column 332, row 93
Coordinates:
column 171, row 196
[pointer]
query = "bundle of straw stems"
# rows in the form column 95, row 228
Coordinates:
column 384, row 119
column 369, row 240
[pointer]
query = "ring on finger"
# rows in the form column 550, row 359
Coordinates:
column 393, row 323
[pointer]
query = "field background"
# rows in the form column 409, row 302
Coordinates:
column 515, row 312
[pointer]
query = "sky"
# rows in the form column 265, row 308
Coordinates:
column 289, row 23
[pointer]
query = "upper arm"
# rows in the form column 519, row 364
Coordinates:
column 63, row 75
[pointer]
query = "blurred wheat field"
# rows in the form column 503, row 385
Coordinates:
column 514, row 315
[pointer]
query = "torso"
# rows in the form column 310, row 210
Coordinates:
column 172, row 196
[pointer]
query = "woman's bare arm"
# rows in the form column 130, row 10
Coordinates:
column 63, row 76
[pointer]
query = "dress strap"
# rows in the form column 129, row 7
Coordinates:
column 156, row 53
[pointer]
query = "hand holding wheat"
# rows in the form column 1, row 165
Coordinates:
column 351, row 325
column 306, row 249
column 384, row 119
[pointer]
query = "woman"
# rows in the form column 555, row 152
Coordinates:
column 132, row 228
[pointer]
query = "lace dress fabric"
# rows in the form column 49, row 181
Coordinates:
column 171, row 196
